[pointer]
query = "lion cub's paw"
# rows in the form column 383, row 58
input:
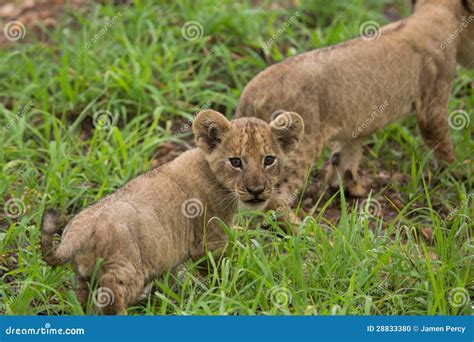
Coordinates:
column 354, row 186
column 356, row 189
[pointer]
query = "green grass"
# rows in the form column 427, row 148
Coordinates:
column 150, row 80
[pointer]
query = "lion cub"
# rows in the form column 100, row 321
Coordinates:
column 163, row 217
column 346, row 92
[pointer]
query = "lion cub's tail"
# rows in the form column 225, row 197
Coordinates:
column 49, row 248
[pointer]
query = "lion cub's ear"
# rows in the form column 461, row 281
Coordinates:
column 288, row 128
column 469, row 5
column 208, row 128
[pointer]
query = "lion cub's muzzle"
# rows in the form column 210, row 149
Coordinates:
column 254, row 197
column 256, row 194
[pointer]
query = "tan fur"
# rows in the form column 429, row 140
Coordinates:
column 163, row 217
column 339, row 89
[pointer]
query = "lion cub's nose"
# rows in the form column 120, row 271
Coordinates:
column 256, row 191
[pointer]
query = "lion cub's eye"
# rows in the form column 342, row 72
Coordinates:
column 236, row 162
column 269, row 160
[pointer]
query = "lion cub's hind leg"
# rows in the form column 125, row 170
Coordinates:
column 433, row 124
column 344, row 167
column 82, row 291
column 120, row 285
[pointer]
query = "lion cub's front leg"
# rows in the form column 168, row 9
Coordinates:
column 344, row 167
column 433, row 123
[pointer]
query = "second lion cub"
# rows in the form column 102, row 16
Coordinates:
column 347, row 91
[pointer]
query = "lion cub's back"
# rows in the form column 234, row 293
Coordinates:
column 339, row 86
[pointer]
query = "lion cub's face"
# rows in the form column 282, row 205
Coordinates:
column 247, row 155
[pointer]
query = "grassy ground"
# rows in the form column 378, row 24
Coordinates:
column 406, row 250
